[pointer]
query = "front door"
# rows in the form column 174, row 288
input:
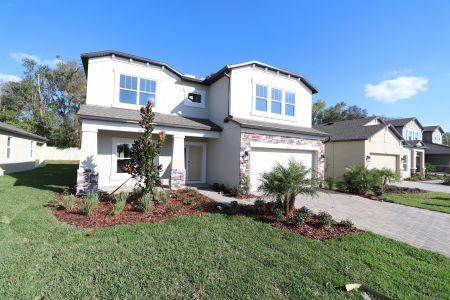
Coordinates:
column 194, row 163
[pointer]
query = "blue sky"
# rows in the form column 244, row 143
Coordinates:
column 391, row 57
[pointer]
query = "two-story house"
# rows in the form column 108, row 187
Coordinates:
column 436, row 153
column 239, row 121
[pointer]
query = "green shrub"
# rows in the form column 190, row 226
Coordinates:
column 119, row 203
column 236, row 191
column 305, row 210
column 325, row 219
column 246, row 185
column 216, row 187
column 174, row 209
column 162, row 197
column 198, row 206
column 429, row 168
column 89, row 203
column 234, row 207
column 69, row 202
column 187, row 201
column 192, row 193
column 260, row 206
column 359, row 180
column 447, row 180
column 330, row 182
column 279, row 214
column 146, row 202
column 299, row 219
column 346, row 223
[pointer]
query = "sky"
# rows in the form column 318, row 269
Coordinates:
column 390, row 57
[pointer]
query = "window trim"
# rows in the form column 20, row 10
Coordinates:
column 136, row 106
column 294, row 104
column 281, row 101
column 114, row 143
column 269, row 114
column 9, row 146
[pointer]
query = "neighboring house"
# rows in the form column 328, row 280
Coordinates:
column 412, row 131
column 369, row 142
column 18, row 150
column 436, row 153
column 239, row 121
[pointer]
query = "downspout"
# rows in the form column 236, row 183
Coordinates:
column 229, row 93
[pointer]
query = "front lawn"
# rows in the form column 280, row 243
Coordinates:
column 432, row 200
column 213, row 256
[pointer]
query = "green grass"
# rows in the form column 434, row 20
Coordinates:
column 209, row 257
column 432, row 201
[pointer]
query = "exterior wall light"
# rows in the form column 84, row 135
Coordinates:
column 322, row 158
column 368, row 158
column 246, row 156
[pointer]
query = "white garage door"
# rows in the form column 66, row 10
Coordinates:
column 380, row 161
column 264, row 159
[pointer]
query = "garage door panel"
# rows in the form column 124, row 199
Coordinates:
column 264, row 159
column 380, row 161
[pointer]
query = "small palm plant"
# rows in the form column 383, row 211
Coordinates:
column 283, row 184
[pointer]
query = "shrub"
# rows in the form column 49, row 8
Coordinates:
column 279, row 214
column 305, row 210
column 330, row 182
column 346, row 223
column 119, row 203
column 198, row 206
column 146, row 202
column 187, row 201
column 236, row 191
column 216, row 187
column 89, row 203
column 429, row 168
column 234, row 207
column 359, row 180
column 246, row 185
column 260, row 207
column 162, row 197
column 447, row 180
column 174, row 209
column 325, row 219
column 299, row 219
column 69, row 202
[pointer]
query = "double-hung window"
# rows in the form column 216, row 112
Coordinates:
column 123, row 155
column 128, row 89
column 275, row 101
column 289, row 104
column 8, row 147
column 405, row 162
column 147, row 91
column 261, row 97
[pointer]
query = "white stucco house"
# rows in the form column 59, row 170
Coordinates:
column 238, row 121
column 19, row 149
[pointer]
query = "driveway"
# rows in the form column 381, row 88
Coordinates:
column 418, row 227
column 432, row 185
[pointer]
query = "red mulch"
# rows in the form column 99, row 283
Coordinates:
column 189, row 203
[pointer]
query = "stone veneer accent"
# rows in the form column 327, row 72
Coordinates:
column 247, row 138
column 177, row 179
column 87, row 181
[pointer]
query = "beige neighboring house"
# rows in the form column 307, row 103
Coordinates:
column 19, row 149
column 370, row 142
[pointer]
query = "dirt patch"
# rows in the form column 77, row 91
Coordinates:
column 185, row 203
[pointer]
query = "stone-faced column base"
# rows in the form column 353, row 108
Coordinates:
column 177, row 179
column 87, row 181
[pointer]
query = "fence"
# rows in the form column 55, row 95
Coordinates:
column 53, row 153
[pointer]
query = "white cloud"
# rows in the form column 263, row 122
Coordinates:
column 403, row 87
column 7, row 77
column 19, row 56
column 397, row 73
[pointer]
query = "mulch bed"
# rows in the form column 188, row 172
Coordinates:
column 189, row 202
column 403, row 190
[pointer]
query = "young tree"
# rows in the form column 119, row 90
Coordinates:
column 283, row 184
column 144, row 151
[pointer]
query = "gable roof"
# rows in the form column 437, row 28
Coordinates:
column 207, row 81
column 253, row 124
column 433, row 128
column 402, row 122
column 18, row 131
column 436, row 149
column 133, row 116
column 355, row 130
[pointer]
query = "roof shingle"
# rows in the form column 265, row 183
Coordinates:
column 12, row 129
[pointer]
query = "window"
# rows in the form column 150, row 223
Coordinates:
column 123, row 156
column 147, row 91
column 405, row 163
column 276, row 101
column 289, row 104
column 261, row 97
column 31, row 149
column 416, row 135
column 196, row 98
column 128, row 89
column 8, row 147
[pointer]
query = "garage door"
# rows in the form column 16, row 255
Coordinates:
column 380, row 161
column 264, row 159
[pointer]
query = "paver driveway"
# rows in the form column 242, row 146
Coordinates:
column 418, row 227
column 432, row 186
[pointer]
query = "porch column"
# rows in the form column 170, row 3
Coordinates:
column 87, row 177
column 413, row 163
column 177, row 173
column 422, row 164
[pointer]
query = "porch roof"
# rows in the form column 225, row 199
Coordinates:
column 95, row 112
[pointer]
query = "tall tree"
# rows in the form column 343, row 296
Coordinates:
column 338, row 112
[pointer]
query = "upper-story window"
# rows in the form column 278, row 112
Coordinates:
column 289, row 104
column 130, row 94
column 195, row 98
column 437, row 138
column 261, row 97
column 412, row 135
column 279, row 105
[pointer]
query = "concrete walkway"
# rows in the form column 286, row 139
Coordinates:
column 432, row 185
column 418, row 227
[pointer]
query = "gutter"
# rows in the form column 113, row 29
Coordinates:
column 229, row 93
